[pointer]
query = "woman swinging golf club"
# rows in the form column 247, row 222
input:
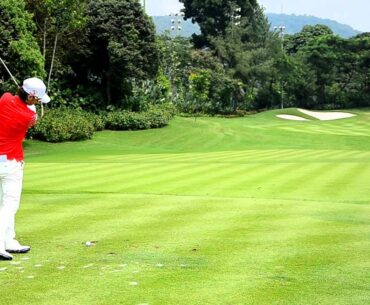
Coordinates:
column 17, row 114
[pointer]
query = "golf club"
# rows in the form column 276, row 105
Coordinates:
column 11, row 75
column 16, row 83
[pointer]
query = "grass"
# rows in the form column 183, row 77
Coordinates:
column 254, row 210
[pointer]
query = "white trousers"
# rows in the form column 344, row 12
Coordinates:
column 11, row 177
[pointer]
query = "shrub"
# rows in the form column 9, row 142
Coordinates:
column 63, row 124
column 97, row 120
column 155, row 117
column 125, row 120
column 148, row 92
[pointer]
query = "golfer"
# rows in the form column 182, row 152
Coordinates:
column 17, row 114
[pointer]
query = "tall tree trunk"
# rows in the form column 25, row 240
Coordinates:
column 44, row 45
column 52, row 59
column 109, row 86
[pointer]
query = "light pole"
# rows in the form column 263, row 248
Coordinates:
column 281, row 29
column 235, row 18
column 176, row 21
column 235, row 22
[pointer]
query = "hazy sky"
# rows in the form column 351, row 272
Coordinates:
column 352, row 12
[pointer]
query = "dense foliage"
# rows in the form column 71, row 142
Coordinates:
column 59, row 23
column 314, row 69
column 215, row 16
column 121, row 44
column 334, row 72
column 18, row 46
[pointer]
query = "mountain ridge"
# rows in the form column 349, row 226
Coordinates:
column 293, row 24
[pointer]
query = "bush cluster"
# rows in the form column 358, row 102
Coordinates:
column 155, row 117
column 97, row 120
column 64, row 124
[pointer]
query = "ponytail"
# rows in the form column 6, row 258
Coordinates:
column 23, row 95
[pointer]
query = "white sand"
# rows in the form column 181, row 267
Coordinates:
column 291, row 117
column 327, row 116
column 322, row 116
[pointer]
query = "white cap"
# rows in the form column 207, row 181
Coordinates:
column 36, row 87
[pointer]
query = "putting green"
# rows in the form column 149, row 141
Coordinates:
column 252, row 210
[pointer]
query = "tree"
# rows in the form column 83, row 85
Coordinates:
column 249, row 58
column 215, row 16
column 354, row 71
column 238, row 32
column 18, row 47
column 59, row 20
column 122, row 46
column 175, row 59
column 299, row 82
column 326, row 56
column 308, row 34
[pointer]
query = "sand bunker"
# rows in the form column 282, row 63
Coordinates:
column 291, row 117
column 327, row 116
column 322, row 116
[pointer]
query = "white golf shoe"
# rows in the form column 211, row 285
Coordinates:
column 15, row 247
column 5, row 256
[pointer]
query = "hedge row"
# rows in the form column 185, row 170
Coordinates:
column 155, row 117
column 65, row 124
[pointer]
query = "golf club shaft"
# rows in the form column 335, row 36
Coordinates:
column 11, row 75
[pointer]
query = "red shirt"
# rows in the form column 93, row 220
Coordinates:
column 15, row 119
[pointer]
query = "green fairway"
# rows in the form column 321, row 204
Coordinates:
column 207, row 211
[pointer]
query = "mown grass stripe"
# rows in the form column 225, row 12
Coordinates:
column 71, row 175
column 59, row 174
column 302, row 180
column 322, row 185
column 347, row 180
column 159, row 183
column 253, row 183
column 208, row 181
column 123, row 178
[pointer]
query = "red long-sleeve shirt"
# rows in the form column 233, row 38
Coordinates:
column 15, row 119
